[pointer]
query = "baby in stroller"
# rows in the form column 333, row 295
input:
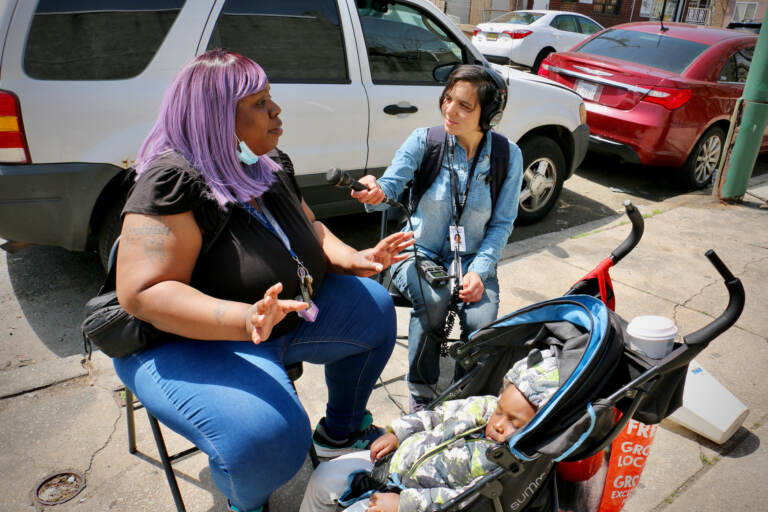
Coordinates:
column 434, row 455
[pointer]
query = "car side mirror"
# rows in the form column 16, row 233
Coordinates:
column 443, row 71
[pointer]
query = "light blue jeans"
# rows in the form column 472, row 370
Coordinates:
column 235, row 402
column 423, row 350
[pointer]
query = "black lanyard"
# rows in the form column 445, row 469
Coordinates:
column 459, row 203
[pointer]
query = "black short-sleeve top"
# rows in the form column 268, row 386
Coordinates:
column 246, row 258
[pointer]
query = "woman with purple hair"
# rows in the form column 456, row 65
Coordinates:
column 219, row 249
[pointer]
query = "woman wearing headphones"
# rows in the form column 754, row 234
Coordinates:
column 459, row 212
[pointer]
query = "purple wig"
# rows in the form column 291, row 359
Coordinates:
column 197, row 119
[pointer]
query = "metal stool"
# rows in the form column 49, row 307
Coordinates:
column 294, row 372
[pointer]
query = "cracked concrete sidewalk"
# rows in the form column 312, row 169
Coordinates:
column 54, row 416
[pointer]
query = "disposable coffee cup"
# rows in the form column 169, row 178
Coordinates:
column 651, row 335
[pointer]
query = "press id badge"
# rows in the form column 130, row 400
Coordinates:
column 457, row 238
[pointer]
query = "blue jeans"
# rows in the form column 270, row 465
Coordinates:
column 423, row 350
column 235, row 402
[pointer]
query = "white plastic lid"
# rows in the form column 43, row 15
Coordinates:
column 652, row 327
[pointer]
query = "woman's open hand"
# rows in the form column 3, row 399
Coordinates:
column 383, row 445
column 384, row 502
column 371, row 261
column 268, row 312
column 374, row 194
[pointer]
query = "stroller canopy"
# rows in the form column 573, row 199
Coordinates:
column 584, row 336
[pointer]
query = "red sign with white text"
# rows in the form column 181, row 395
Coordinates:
column 629, row 452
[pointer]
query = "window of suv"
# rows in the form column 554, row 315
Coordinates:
column 655, row 50
column 404, row 44
column 295, row 41
column 96, row 40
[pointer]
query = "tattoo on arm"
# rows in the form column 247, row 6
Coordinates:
column 219, row 311
column 152, row 236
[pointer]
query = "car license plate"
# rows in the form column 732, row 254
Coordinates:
column 491, row 36
column 588, row 90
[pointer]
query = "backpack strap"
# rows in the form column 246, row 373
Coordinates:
column 499, row 164
column 430, row 165
column 433, row 160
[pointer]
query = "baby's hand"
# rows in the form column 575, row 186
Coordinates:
column 384, row 502
column 383, row 446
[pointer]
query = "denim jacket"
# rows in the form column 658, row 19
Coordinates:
column 486, row 230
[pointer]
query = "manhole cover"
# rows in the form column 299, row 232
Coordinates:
column 59, row 487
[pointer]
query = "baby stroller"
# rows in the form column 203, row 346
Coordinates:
column 603, row 382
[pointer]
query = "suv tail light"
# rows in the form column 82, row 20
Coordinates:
column 474, row 32
column 13, row 143
column 669, row 98
column 518, row 34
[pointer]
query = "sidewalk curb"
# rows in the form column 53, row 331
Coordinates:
column 25, row 379
column 44, row 374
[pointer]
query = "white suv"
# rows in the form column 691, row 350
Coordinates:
column 80, row 88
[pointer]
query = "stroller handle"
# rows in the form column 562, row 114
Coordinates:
column 682, row 355
column 636, row 218
column 732, row 311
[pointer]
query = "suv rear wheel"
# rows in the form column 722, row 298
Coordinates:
column 543, row 177
column 698, row 170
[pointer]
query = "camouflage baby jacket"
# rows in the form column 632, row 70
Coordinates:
column 441, row 452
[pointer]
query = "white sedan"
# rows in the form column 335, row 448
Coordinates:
column 527, row 37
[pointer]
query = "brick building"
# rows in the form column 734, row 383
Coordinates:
column 472, row 12
column 718, row 13
column 702, row 12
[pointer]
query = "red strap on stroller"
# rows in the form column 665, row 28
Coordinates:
column 603, row 277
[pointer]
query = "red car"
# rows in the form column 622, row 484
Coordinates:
column 657, row 96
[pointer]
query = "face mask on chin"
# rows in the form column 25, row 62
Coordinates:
column 245, row 154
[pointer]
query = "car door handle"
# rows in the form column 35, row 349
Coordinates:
column 393, row 110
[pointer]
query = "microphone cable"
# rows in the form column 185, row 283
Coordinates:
column 438, row 334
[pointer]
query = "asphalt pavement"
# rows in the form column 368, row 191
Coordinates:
column 58, row 416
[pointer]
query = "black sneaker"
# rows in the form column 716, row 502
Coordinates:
column 417, row 403
column 327, row 446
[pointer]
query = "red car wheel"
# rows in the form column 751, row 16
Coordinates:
column 702, row 163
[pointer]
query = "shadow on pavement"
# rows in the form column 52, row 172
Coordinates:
column 741, row 444
column 650, row 183
column 572, row 209
column 52, row 286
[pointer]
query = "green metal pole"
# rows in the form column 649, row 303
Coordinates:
column 738, row 169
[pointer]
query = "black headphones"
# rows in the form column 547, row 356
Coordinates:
column 493, row 112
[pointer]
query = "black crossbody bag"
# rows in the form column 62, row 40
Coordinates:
column 108, row 326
